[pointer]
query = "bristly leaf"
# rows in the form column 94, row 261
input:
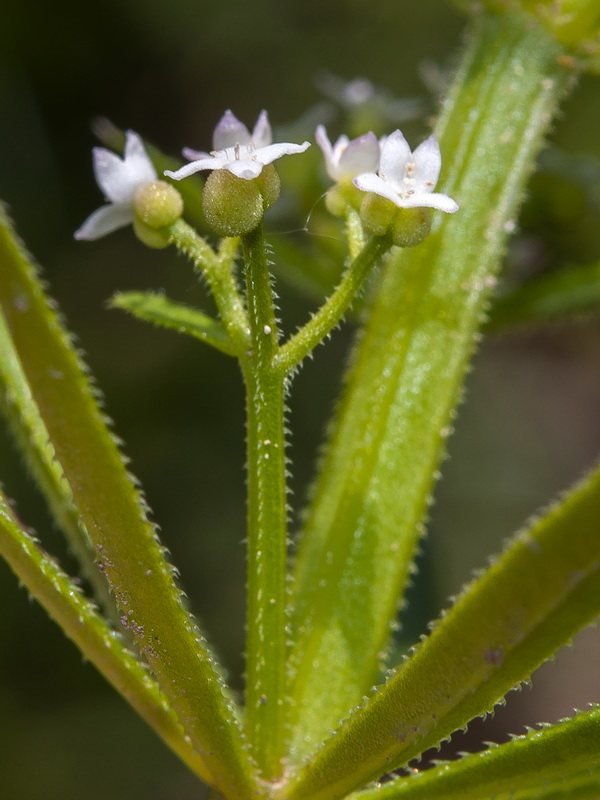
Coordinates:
column 556, row 761
column 65, row 603
column 32, row 437
column 396, row 413
column 165, row 313
column 530, row 602
column 569, row 293
column 114, row 514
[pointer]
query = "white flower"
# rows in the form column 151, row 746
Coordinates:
column 408, row 179
column 118, row 178
column 346, row 159
column 237, row 150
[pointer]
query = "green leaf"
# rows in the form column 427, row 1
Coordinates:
column 165, row 313
column 560, row 760
column 530, row 602
column 570, row 292
column 65, row 603
column 32, row 438
column 407, row 371
column 114, row 514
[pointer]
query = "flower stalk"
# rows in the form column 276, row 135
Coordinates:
column 219, row 274
column 323, row 321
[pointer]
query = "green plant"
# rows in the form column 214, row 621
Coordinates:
column 316, row 630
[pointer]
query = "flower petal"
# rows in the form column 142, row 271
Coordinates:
column 262, row 134
column 360, row 155
column 119, row 178
column 229, row 132
column 105, row 220
column 273, row 151
column 194, row 155
column 323, row 141
column 338, row 148
column 369, row 182
column 196, row 166
column 429, row 200
column 395, row 153
column 137, row 160
column 136, row 169
column 108, row 170
column 246, row 169
column 329, row 153
column 428, row 161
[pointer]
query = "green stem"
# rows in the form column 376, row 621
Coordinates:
column 32, row 436
column 267, row 522
column 219, row 274
column 292, row 353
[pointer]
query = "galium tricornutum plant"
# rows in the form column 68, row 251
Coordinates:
column 312, row 727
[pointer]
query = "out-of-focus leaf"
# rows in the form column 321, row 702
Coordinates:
column 565, row 294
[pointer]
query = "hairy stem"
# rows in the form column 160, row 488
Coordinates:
column 219, row 274
column 267, row 523
column 323, row 321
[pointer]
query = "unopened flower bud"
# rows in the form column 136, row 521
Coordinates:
column 157, row 238
column 157, row 204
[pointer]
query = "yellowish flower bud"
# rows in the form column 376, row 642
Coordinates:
column 157, row 204
column 157, row 238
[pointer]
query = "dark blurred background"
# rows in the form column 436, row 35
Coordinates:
column 528, row 427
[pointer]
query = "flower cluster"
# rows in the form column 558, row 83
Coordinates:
column 244, row 184
column 388, row 168
column 346, row 159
